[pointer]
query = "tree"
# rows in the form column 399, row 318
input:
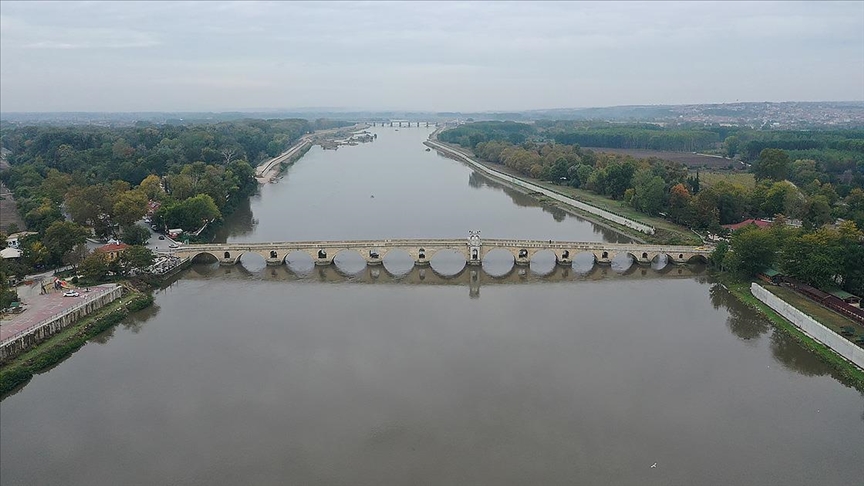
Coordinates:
column 814, row 258
column 129, row 207
column 35, row 252
column 190, row 214
column 817, row 212
column 94, row 267
column 152, row 187
column 753, row 251
column 731, row 145
column 852, row 267
column 61, row 237
column 679, row 204
column 618, row 178
column 77, row 255
column 719, row 255
column 40, row 218
column 135, row 235
column 649, row 192
column 133, row 258
column 773, row 164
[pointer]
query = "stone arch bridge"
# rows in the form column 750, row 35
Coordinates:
column 422, row 250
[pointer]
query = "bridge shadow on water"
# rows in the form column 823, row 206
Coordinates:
column 470, row 276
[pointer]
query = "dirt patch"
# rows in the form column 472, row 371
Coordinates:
column 8, row 210
column 685, row 158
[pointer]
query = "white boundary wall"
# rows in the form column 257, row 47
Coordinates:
column 817, row 331
column 644, row 228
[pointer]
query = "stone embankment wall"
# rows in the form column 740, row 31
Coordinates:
column 42, row 331
column 817, row 331
column 644, row 228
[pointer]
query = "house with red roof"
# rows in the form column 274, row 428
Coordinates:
column 112, row 250
column 762, row 223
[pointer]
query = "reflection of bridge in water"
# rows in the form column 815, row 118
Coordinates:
column 473, row 277
column 421, row 251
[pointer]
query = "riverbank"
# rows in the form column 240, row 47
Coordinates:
column 851, row 374
column 58, row 347
column 269, row 170
column 635, row 230
column 622, row 219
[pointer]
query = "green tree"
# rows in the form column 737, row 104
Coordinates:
column 152, row 187
column 94, row 267
column 129, row 207
column 814, row 258
column 77, row 255
column 133, row 258
column 61, row 237
column 731, row 145
column 773, row 164
column 35, row 253
column 753, row 250
column 649, row 192
column 817, row 212
column 719, row 255
column 134, row 235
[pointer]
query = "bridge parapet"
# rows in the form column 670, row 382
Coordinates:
column 422, row 250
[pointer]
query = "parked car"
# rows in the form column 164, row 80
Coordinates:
column 70, row 293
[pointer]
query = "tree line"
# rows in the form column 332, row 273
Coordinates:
column 825, row 257
column 106, row 179
column 660, row 188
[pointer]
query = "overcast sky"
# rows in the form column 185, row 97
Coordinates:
column 202, row 56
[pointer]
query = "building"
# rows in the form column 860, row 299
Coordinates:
column 762, row 223
column 112, row 250
column 14, row 240
column 10, row 252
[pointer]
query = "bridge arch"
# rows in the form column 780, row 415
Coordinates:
column 642, row 257
column 448, row 262
column 498, row 262
column 543, row 262
column 204, row 257
column 583, row 262
column 622, row 262
column 253, row 261
column 398, row 262
column 349, row 261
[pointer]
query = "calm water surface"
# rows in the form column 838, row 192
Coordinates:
column 349, row 375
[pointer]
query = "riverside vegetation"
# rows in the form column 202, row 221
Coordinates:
column 19, row 370
column 107, row 179
column 815, row 177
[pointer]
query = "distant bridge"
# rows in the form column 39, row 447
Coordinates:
column 473, row 249
column 399, row 123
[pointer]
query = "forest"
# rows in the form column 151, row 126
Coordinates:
column 107, row 179
column 817, row 195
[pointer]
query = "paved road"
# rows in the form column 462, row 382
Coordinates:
column 41, row 307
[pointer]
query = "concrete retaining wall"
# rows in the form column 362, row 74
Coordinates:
column 546, row 192
column 42, row 331
column 817, row 331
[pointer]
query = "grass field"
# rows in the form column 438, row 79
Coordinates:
column 686, row 158
column 708, row 178
column 826, row 317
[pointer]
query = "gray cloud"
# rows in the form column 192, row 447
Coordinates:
column 129, row 56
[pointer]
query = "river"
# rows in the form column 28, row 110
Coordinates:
column 397, row 375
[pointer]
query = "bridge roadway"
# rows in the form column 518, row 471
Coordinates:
column 423, row 250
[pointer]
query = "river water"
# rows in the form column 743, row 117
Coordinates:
column 377, row 376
